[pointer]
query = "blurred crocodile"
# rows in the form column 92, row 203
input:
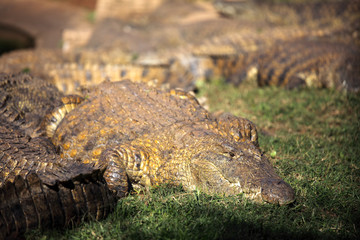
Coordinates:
column 148, row 137
column 220, row 48
column 38, row 189
column 72, row 72
column 230, row 56
column 311, row 63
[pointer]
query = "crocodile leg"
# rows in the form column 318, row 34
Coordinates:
column 115, row 174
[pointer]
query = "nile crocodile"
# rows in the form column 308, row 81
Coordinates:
column 37, row 188
column 203, row 50
column 311, row 63
column 25, row 100
column 148, row 137
column 40, row 190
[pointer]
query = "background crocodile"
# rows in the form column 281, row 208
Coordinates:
column 40, row 190
column 147, row 137
column 312, row 63
column 206, row 49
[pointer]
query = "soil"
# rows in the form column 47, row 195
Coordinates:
column 43, row 19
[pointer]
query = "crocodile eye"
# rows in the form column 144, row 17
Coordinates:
column 53, row 119
column 228, row 156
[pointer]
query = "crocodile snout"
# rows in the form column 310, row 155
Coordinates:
column 276, row 191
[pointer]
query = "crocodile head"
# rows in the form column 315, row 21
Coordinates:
column 229, row 168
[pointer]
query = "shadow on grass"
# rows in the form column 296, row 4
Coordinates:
column 199, row 216
column 220, row 224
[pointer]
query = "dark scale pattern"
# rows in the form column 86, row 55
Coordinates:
column 40, row 190
column 312, row 63
column 214, row 48
column 25, row 100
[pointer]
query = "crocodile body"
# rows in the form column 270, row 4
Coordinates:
column 317, row 64
column 37, row 187
column 230, row 56
column 209, row 49
column 148, row 137
column 40, row 190
column 26, row 100
column 72, row 72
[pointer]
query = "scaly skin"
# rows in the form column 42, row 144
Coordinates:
column 295, row 12
column 26, row 100
column 231, row 54
column 220, row 48
column 73, row 72
column 40, row 190
column 148, row 137
column 319, row 64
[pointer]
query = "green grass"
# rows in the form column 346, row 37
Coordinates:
column 312, row 136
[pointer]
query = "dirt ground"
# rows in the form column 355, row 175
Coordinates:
column 173, row 24
column 43, row 19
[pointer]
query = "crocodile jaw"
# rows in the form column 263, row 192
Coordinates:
column 268, row 192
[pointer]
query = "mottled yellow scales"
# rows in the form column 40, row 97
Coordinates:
column 144, row 137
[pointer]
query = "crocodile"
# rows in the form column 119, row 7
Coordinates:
column 71, row 72
column 217, row 48
column 26, row 100
column 147, row 137
column 296, row 12
column 32, row 175
column 230, row 56
column 312, row 63
column 38, row 189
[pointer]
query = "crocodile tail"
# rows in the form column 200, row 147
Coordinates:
column 312, row 63
column 53, row 119
column 29, row 203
